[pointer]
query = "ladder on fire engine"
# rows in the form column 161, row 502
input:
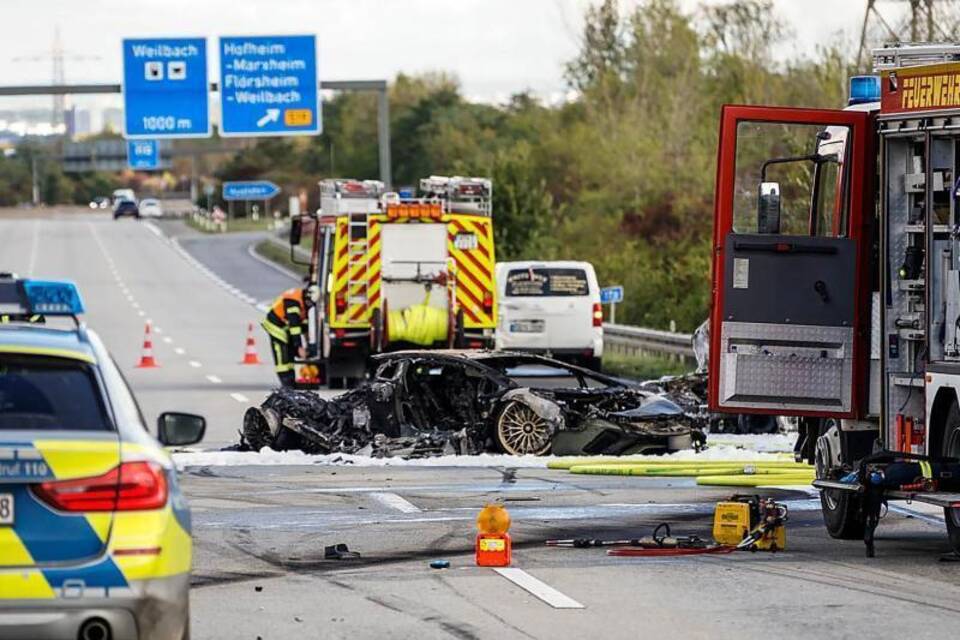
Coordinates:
column 357, row 247
column 910, row 54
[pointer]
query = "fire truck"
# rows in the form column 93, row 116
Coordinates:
column 836, row 284
column 398, row 270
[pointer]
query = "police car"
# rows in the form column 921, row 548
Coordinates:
column 94, row 531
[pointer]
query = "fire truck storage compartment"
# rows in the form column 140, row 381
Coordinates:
column 786, row 331
column 412, row 254
column 922, row 283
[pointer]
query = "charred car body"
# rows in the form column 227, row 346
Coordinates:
column 420, row 403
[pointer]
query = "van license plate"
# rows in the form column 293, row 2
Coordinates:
column 527, row 326
column 6, row 509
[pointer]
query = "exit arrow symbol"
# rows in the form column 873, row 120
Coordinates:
column 273, row 115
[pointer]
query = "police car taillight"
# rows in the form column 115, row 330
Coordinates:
column 132, row 486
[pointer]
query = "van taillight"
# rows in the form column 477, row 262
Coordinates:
column 133, row 486
column 597, row 315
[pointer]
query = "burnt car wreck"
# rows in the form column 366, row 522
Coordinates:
column 426, row 403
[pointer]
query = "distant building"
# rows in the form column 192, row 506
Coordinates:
column 77, row 122
column 113, row 119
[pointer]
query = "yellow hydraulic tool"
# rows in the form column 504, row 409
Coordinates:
column 751, row 517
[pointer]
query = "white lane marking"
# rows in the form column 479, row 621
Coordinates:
column 214, row 379
column 179, row 351
column 168, row 339
column 195, row 364
column 141, row 313
column 135, row 304
column 130, row 297
column 540, row 589
column 920, row 511
column 251, row 249
column 153, row 229
column 157, row 330
column 239, row 397
column 394, row 501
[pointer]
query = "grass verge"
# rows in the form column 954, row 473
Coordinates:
column 642, row 367
column 279, row 255
column 235, row 225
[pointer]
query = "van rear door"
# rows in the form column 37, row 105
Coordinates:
column 547, row 307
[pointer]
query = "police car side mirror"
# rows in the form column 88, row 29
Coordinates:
column 296, row 230
column 179, row 429
column 768, row 208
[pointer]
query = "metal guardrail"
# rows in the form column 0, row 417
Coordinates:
column 637, row 341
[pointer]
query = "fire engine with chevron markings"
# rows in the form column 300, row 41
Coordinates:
column 399, row 270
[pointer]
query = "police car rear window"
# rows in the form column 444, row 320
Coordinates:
column 523, row 283
column 49, row 394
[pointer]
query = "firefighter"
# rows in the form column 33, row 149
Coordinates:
column 286, row 323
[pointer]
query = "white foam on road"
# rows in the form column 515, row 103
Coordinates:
column 764, row 448
column 271, row 457
column 766, row 442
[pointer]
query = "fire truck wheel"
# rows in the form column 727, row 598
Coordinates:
column 951, row 449
column 842, row 510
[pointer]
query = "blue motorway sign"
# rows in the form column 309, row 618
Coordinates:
column 250, row 190
column 143, row 154
column 612, row 294
column 165, row 88
column 269, row 86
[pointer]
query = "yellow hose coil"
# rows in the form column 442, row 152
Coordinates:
column 419, row 324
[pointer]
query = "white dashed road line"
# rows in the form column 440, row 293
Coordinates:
column 540, row 589
column 214, row 379
column 239, row 397
column 195, row 364
column 394, row 501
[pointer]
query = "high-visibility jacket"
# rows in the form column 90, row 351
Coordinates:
column 287, row 315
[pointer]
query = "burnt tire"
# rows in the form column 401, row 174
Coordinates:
column 520, row 431
column 256, row 431
column 951, row 449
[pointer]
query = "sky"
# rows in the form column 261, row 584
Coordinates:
column 494, row 47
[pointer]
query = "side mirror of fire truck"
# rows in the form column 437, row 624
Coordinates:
column 296, row 230
column 768, row 208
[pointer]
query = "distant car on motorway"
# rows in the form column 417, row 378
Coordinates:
column 100, row 202
column 126, row 208
column 94, row 530
column 551, row 308
column 151, row 208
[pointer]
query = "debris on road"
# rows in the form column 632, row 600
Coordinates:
column 433, row 403
column 339, row 551
column 440, row 564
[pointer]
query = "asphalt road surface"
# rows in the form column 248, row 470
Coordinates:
column 260, row 531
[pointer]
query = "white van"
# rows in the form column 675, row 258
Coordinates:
column 551, row 308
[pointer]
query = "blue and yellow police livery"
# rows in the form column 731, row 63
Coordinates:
column 94, row 531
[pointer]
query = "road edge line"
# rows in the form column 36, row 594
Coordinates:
column 541, row 589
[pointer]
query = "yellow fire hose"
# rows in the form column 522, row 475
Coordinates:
column 779, row 479
column 419, row 323
column 692, row 469
column 573, row 461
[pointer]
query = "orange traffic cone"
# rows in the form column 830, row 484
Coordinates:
column 250, row 354
column 147, row 361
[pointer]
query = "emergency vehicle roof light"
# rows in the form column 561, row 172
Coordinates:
column 864, row 89
column 53, row 297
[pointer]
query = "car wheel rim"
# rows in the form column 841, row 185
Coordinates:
column 522, row 432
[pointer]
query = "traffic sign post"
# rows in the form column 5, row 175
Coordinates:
column 165, row 88
column 143, row 155
column 269, row 86
column 612, row 295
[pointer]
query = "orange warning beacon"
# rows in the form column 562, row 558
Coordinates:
column 493, row 541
